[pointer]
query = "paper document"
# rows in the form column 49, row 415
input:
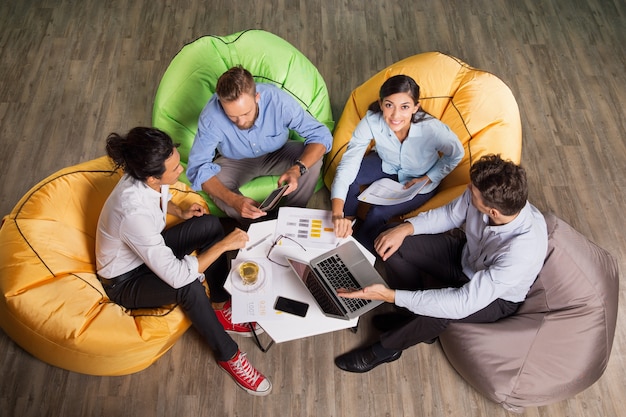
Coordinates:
column 309, row 227
column 387, row 192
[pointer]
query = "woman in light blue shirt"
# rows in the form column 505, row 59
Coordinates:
column 410, row 146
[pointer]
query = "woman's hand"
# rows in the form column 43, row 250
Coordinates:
column 342, row 226
column 195, row 210
column 414, row 181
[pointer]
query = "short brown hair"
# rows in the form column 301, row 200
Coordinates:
column 235, row 82
column 502, row 183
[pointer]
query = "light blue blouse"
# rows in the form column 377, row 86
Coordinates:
column 418, row 155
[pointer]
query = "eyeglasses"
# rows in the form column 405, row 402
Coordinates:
column 276, row 242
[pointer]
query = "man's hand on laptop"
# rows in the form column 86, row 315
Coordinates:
column 373, row 292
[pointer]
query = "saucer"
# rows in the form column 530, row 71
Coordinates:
column 238, row 282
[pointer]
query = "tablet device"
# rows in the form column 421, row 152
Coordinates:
column 272, row 200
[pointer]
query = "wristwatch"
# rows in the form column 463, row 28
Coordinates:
column 303, row 168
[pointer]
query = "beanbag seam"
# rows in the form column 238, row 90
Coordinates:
column 261, row 77
column 27, row 199
column 104, row 298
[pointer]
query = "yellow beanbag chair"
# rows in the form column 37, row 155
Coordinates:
column 51, row 302
column 475, row 104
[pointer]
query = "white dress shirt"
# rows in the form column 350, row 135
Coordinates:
column 129, row 234
column 500, row 261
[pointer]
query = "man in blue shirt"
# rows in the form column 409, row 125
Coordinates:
column 248, row 125
column 480, row 275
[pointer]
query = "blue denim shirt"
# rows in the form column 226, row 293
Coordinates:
column 278, row 113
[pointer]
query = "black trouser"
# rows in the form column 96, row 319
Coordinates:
column 142, row 288
column 432, row 261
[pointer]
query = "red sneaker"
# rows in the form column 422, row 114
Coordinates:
column 246, row 376
column 225, row 317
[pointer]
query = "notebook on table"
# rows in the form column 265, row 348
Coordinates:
column 343, row 267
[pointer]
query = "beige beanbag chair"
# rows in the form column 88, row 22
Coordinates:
column 475, row 104
column 559, row 341
column 51, row 302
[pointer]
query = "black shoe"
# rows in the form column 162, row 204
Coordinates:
column 363, row 360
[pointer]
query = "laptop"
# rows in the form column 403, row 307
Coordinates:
column 343, row 267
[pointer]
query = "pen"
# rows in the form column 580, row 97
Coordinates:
column 257, row 243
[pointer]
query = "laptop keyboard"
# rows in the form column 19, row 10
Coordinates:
column 339, row 277
column 323, row 299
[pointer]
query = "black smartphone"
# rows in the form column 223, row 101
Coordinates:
column 291, row 306
column 270, row 202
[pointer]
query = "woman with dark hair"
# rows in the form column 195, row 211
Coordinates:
column 141, row 265
column 410, row 146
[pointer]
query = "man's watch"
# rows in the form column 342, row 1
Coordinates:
column 303, row 168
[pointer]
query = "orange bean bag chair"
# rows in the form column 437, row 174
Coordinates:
column 475, row 104
column 51, row 302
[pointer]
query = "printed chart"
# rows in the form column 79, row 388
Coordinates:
column 309, row 227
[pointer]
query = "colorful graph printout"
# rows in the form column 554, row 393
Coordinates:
column 309, row 227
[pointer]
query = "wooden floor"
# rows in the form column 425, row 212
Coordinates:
column 73, row 71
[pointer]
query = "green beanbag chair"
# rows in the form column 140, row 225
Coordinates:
column 190, row 80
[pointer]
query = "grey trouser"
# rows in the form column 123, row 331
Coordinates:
column 236, row 172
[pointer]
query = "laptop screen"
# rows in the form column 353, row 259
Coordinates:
column 326, row 303
column 301, row 269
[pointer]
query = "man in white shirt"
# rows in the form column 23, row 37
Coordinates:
column 481, row 275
